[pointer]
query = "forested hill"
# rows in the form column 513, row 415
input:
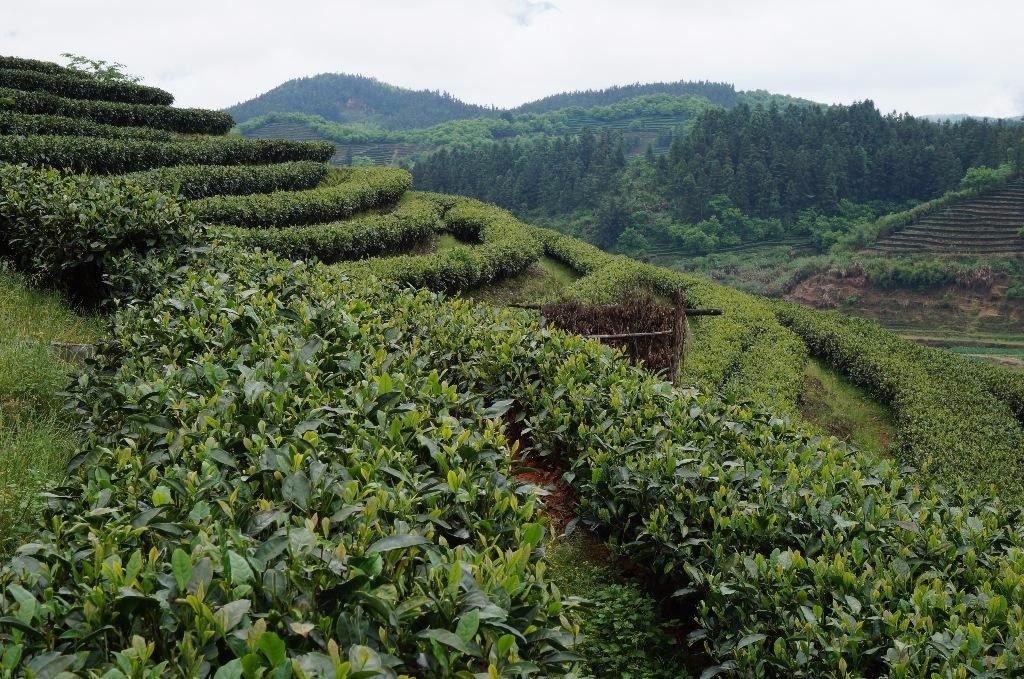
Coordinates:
column 723, row 94
column 737, row 175
column 345, row 98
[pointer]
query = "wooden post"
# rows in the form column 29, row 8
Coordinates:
column 678, row 333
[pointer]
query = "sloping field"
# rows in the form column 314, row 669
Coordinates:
column 985, row 224
column 294, row 465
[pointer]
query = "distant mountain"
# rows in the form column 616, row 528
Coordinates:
column 345, row 98
column 348, row 99
column 723, row 94
column 958, row 117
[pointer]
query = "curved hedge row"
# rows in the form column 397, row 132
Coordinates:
column 202, row 181
column 20, row 64
column 186, row 120
column 278, row 483
column 120, row 156
column 951, row 427
column 77, row 87
column 745, row 353
column 507, row 247
column 414, row 219
column 13, row 123
column 359, row 189
column 800, row 556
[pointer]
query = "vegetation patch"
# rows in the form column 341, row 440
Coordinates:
column 36, row 437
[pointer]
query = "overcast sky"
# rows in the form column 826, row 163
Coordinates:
column 919, row 56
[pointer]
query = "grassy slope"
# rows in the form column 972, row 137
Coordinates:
column 844, row 410
column 35, row 440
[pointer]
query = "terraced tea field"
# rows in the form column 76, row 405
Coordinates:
column 985, row 224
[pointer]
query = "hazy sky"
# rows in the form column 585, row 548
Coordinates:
column 920, row 56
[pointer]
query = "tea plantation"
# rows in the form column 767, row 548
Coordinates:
column 299, row 444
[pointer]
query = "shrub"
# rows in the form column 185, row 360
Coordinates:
column 20, row 64
column 363, row 188
column 414, row 220
column 746, row 353
column 800, row 555
column 68, row 242
column 187, row 120
column 202, row 181
column 118, row 156
column 951, row 426
column 288, row 488
column 13, row 123
column 84, row 88
column 506, row 247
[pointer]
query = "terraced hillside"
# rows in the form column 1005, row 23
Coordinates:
column 987, row 224
column 298, row 459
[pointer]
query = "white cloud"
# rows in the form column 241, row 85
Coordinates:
column 524, row 11
column 921, row 56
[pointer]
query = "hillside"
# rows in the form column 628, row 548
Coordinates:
column 815, row 173
column 986, row 224
column 345, row 98
column 643, row 121
column 305, row 449
column 373, row 122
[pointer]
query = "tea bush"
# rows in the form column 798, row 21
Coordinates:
column 68, row 243
column 506, row 247
column 279, row 481
column 955, row 425
column 13, row 123
column 802, row 556
column 362, row 188
column 413, row 220
column 187, row 120
column 84, row 88
column 746, row 353
column 202, row 181
column 21, row 64
column 120, row 156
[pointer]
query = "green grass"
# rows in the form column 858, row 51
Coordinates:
column 844, row 410
column 623, row 632
column 35, row 437
column 542, row 282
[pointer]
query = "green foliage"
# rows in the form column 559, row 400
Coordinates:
column 202, row 181
column 622, row 630
column 413, row 220
column 978, row 178
column 287, row 485
column 69, row 243
column 82, row 88
column 362, row 188
column 13, row 123
column 790, row 545
column 186, row 120
column 976, row 181
column 20, row 64
column 745, row 353
column 118, row 156
column 955, row 425
column 506, row 247
column 98, row 69
column 35, row 436
column 378, row 103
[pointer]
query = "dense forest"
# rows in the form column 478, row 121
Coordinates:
column 736, row 175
